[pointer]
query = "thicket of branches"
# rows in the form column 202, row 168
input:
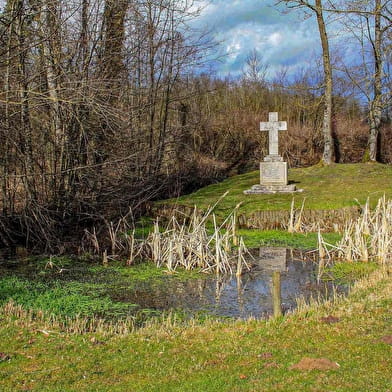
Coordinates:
column 103, row 109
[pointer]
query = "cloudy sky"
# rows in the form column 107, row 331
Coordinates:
column 283, row 39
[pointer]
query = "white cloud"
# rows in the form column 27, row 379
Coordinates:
column 275, row 39
column 243, row 25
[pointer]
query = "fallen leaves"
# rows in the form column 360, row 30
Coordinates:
column 315, row 364
column 330, row 319
column 387, row 339
column 4, row 357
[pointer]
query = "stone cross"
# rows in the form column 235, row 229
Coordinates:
column 273, row 126
column 273, row 169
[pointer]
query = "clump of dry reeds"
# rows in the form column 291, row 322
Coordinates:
column 118, row 241
column 296, row 224
column 192, row 245
column 369, row 237
column 197, row 242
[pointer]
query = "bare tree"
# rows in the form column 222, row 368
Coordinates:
column 91, row 92
column 255, row 69
column 375, row 110
column 368, row 22
column 316, row 8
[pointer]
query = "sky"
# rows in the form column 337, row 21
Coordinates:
column 283, row 39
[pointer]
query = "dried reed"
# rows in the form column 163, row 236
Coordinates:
column 192, row 246
column 369, row 237
column 296, row 223
column 121, row 239
column 185, row 243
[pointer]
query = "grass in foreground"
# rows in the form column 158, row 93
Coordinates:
column 331, row 187
column 231, row 356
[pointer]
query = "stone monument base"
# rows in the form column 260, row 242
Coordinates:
column 273, row 172
column 260, row 189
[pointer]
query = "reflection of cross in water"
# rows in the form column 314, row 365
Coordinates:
column 240, row 294
column 273, row 126
column 218, row 290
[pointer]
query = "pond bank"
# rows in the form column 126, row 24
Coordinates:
column 328, row 220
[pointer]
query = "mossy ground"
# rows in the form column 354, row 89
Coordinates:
column 72, row 288
column 281, row 238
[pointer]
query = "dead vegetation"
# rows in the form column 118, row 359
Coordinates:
column 195, row 242
column 301, row 220
column 369, row 237
column 194, row 245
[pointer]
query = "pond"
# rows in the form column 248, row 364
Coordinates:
column 278, row 277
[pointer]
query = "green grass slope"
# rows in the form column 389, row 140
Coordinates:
column 324, row 187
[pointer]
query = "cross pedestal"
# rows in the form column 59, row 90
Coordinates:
column 273, row 170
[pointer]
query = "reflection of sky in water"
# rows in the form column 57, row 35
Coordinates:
column 250, row 295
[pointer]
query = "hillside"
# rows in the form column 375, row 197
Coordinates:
column 324, row 187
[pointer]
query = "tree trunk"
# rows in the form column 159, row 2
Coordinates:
column 114, row 30
column 7, row 205
column 26, row 131
column 375, row 110
column 328, row 152
column 50, row 45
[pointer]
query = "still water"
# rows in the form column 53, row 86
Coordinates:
column 251, row 295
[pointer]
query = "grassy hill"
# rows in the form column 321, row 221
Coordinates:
column 332, row 187
column 330, row 195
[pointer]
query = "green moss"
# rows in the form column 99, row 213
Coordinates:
column 84, row 289
column 60, row 298
column 366, row 156
column 256, row 238
column 142, row 272
column 346, row 272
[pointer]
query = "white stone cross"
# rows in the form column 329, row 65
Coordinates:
column 273, row 126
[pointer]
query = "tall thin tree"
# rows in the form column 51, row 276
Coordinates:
column 316, row 8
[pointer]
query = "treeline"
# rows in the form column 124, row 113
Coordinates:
column 103, row 109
